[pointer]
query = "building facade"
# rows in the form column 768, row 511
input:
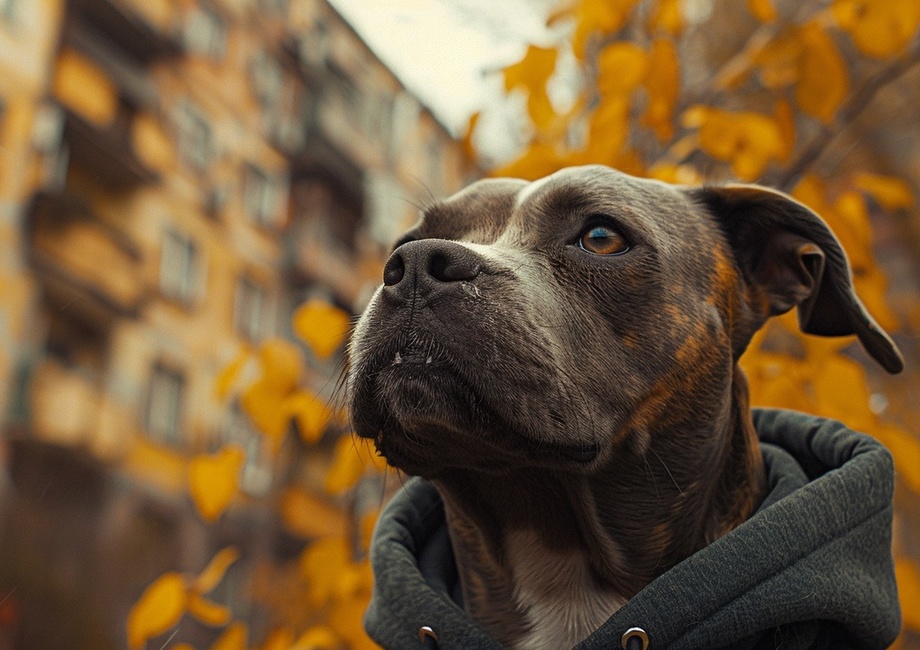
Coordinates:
column 176, row 177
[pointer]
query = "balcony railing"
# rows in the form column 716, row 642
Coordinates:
column 78, row 256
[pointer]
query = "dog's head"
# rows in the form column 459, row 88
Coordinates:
column 552, row 323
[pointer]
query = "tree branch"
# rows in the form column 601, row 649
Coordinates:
column 820, row 142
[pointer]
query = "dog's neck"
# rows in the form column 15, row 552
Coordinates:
column 546, row 557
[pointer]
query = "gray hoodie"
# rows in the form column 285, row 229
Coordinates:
column 812, row 568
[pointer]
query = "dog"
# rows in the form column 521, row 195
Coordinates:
column 560, row 358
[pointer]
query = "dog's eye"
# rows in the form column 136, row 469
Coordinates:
column 603, row 240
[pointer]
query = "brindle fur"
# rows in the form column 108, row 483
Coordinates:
column 590, row 405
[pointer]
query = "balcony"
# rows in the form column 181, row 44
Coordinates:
column 87, row 263
column 128, row 28
column 63, row 405
column 107, row 151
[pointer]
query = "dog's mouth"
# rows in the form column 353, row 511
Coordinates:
column 426, row 411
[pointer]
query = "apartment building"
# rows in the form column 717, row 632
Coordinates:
column 176, row 177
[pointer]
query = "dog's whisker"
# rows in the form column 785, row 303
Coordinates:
column 666, row 469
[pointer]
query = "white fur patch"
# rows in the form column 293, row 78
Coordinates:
column 559, row 596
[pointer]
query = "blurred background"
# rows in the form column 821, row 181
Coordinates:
column 196, row 199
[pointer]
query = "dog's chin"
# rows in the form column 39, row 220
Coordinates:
column 425, row 418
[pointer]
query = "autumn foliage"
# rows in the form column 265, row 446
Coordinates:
column 766, row 113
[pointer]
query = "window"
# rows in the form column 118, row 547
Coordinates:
column 248, row 309
column 262, row 196
column 206, row 34
column 267, row 79
column 181, row 276
column 313, row 46
column 163, row 419
column 8, row 10
column 73, row 340
column 196, row 141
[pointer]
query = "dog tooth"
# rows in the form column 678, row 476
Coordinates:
column 428, row 360
column 398, row 359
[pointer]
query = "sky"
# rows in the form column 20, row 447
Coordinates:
column 446, row 52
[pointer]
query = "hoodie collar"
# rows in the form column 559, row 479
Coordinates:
column 815, row 557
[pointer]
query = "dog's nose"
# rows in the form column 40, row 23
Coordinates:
column 427, row 266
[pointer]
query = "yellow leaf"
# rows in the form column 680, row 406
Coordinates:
column 540, row 109
column 281, row 639
column 233, row 638
column 214, row 480
column 538, row 160
column 785, row 120
column 318, row 637
column 823, row 81
column 355, row 580
column 879, row 28
column 849, row 219
column 321, row 326
column 282, row 365
column 840, row 390
column 345, row 618
column 467, row 141
column 311, row 414
column 265, row 408
column 667, row 17
column 812, row 192
column 366, row 525
column 228, row 376
column 906, row 451
column 531, row 74
column 662, row 87
column 891, row 192
column 621, row 69
column 207, row 612
column 748, row 140
column 347, row 466
column 608, row 128
column 533, row 71
column 599, row 18
column 762, row 10
column 321, row 564
column 778, row 61
column 907, row 575
column 158, row 609
column 307, row 516
column 780, row 391
column 214, row 572
column 676, row 174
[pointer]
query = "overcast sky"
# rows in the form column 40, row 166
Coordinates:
column 443, row 49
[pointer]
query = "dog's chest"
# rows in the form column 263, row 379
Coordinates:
column 557, row 593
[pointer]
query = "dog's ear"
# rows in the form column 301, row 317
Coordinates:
column 788, row 254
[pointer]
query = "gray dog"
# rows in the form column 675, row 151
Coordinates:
column 559, row 359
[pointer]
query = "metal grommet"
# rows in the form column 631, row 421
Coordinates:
column 635, row 638
column 425, row 634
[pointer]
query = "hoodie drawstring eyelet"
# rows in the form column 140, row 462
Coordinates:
column 427, row 637
column 635, row 638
